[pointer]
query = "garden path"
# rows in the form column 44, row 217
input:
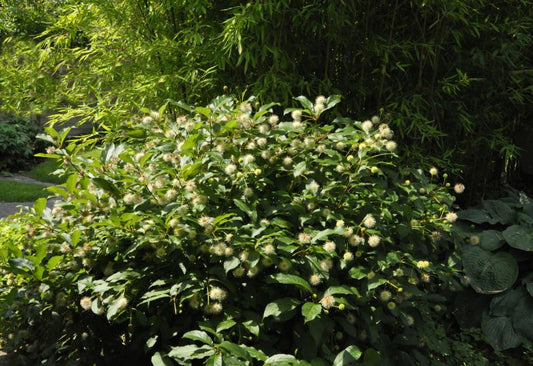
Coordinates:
column 10, row 208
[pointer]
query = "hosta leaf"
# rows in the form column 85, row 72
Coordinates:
column 499, row 211
column 519, row 237
column 491, row 240
column 489, row 272
column 475, row 216
column 500, row 332
column 523, row 317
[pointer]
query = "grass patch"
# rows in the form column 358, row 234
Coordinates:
column 43, row 172
column 21, row 192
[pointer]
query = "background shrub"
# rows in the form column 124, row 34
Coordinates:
column 234, row 235
column 17, row 142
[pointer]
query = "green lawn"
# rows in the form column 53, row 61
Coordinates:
column 21, row 192
column 43, row 172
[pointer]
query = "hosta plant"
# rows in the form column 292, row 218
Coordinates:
column 497, row 257
column 231, row 235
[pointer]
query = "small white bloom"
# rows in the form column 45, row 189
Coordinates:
column 347, row 256
column 326, row 264
column 230, row 169
column 287, row 161
column 86, row 303
column 315, row 279
column 320, row 99
column 391, row 146
column 217, row 293
column 269, row 249
column 459, row 188
column 329, row 246
column 385, row 295
column 369, row 221
column 248, row 159
column 205, row 221
column 296, row 115
column 366, row 126
column 327, row 302
column 433, row 171
column 261, row 142
column 273, row 119
column 373, row 240
column 451, row 217
column 313, row 187
column 304, row 238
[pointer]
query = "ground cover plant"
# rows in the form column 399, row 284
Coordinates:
column 17, row 142
column 496, row 253
column 232, row 235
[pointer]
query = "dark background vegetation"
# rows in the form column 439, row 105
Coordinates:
column 453, row 78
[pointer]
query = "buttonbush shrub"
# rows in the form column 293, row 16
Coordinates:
column 232, row 235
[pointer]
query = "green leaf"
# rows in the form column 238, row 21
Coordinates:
column 231, row 263
column 500, row 332
column 198, row 335
column 491, row 240
column 53, row 262
column 342, row 290
column 214, row 360
column 252, row 327
column 39, row 206
column 499, row 211
column 475, row 216
column 107, row 186
column 348, row 356
column 300, row 169
column 235, row 349
column 519, row 237
column 289, row 279
column 311, row 310
column 183, row 352
column 157, row 360
column 358, row 273
column 280, row 306
column 246, row 209
column 226, row 324
column 280, row 358
column 306, row 103
column 489, row 273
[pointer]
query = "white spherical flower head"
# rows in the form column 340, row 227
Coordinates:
column 451, row 217
column 326, row 264
column 340, row 145
column 304, row 238
column 355, row 240
column 320, row 99
column 230, row 169
column 287, row 161
column 474, row 240
column 422, row 264
column 315, row 279
column 375, row 120
column 86, row 303
column 273, row 119
column 339, row 223
column 366, row 126
column 205, row 221
column 248, row 192
column 329, row 246
column 385, row 295
column 459, row 188
column 313, row 187
column 147, row 120
column 347, row 256
column 264, row 128
column 269, row 249
column 369, row 221
column 297, row 124
column 296, row 115
column 327, row 302
column 373, row 240
column 391, row 146
column 217, row 293
column 261, row 142
column 433, row 171
column 319, row 108
column 321, row 148
column 248, row 159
